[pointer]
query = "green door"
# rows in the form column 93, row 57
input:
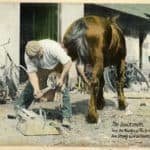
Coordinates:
column 45, row 21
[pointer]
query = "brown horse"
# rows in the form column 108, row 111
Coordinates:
column 100, row 42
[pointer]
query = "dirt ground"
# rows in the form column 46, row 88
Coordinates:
column 115, row 127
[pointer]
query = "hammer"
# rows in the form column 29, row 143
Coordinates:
column 49, row 92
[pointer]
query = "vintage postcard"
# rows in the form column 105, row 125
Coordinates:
column 75, row 74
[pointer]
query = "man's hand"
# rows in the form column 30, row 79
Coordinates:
column 35, row 83
column 38, row 94
column 60, row 83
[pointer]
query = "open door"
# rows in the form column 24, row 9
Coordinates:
column 38, row 21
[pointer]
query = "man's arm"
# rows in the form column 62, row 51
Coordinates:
column 66, row 68
column 60, row 54
column 35, row 83
column 33, row 78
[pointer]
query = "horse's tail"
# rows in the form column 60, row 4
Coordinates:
column 74, row 40
column 75, row 31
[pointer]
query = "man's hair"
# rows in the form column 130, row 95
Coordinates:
column 32, row 48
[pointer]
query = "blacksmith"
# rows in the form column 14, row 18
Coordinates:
column 41, row 57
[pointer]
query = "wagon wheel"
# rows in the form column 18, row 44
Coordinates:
column 3, row 96
column 110, row 77
column 133, row 77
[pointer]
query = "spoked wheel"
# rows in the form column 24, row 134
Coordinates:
column 3, row 96
column 3, row 86
column 134, row 78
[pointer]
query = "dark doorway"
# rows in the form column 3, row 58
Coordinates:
column 38, row 21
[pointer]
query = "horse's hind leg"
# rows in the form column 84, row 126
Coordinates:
column 120, row 84
column 100, row 98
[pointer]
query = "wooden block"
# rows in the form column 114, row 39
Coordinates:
column 37, row 127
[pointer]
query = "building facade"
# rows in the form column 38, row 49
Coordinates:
column 26, row 21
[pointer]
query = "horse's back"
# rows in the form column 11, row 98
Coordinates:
column 94, row 23
column 90, row 31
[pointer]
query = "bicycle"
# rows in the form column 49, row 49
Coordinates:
column 10, row 80
column 133, row 77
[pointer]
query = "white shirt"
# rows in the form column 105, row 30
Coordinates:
column 53, row 54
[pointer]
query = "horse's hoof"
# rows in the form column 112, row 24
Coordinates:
column 122, row 105
column 92, row 118
column 101, row 105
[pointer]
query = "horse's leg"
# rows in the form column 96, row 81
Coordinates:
column 100, row 98
column 120, row 84
column 92, row 116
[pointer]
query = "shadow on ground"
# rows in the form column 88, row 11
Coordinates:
column 109, row 103
column 79, row 107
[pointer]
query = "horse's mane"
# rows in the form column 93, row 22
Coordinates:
column 113, row 19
